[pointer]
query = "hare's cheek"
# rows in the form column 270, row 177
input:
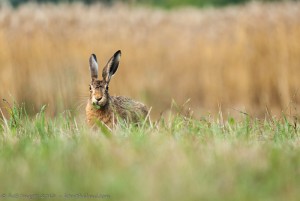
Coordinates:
column 93, row 97
column 94, row 100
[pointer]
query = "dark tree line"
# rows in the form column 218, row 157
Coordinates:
column 160, row 3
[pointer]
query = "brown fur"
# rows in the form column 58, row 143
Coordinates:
column 109, row 109
column 118, row 108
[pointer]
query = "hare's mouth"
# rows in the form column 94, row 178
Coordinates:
column 99, row 102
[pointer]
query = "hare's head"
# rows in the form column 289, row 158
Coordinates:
column 99, row 88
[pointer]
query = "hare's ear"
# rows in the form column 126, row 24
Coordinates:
column 93, row 66
column 111, row 66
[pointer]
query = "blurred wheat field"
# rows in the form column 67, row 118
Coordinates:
column 245, row 58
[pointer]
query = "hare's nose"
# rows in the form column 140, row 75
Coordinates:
column 98, row 99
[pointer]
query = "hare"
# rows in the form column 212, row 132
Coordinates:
column 108, row 109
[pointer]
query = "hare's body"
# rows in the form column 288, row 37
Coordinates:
column 108, row 109
column 118, row 107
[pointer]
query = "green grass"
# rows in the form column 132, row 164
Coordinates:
column 177, row 158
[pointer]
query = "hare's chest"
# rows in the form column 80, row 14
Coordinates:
column 105, row 116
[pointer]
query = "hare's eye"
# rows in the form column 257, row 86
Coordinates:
column 90, row 88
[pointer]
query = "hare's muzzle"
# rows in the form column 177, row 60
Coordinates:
column 99, row 101
column 96, row 100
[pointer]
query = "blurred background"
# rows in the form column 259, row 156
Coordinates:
column 235, row 55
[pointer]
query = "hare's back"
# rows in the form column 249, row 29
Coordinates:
column 128, row 108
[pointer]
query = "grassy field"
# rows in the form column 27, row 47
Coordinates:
column 244, row 57
column 238, row 66
column 177, row 158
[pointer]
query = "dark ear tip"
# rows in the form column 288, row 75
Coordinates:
column 93, row 56
column 118, row 52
